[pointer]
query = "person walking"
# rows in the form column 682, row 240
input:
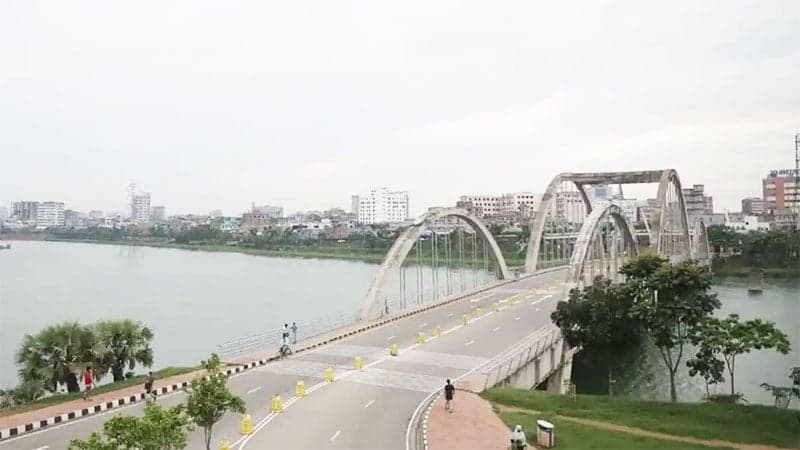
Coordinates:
column 294, row 333
column 148, row 386
column 449, row 391
column 88, row 375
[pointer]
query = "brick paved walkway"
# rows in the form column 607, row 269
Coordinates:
column 471, row 426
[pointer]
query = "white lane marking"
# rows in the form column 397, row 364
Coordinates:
column 254, row 390
column 335, row 435
column 43, row 448
column 541, row 299
column 423, row 325
column 516, row 318
column 369, row 404
column 450, row 315
column 390, row 338
column 538, row 309
column 469, row 342
column 477, row 300
column 496, row 329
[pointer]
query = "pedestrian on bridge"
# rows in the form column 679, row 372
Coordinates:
column 294, row 333
column 449, row 391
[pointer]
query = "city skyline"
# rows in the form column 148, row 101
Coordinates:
column 397, row 100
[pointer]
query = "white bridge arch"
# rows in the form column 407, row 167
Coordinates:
column 587, row 240
column 373, row 307
column 669, row 230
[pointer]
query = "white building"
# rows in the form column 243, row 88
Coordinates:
column 747, row 224
column 159, row 213
column 272, row 212
column 383, row 206
column 481, row 205
column 49, row 214
column 519, row 204
column 140, row 208
column 568, row 207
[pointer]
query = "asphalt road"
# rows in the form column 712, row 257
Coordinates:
column 366, row 409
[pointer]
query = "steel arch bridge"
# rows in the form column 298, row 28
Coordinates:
column 569, row 230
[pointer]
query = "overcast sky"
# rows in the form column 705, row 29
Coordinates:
column 219, row 104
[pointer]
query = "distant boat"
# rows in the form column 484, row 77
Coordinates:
column 756, row 284
column 5, row 247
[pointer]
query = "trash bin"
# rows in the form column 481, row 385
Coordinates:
column 545, row 435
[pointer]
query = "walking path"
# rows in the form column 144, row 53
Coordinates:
column 471, row 426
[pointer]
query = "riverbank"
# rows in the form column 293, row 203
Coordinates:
column 733, row 270
column 590, row 421
column 343, row 253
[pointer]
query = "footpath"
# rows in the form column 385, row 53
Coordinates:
column 473, row 425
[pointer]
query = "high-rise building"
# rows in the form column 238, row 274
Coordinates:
column 354, row 205
column 780, row 190
column 383, row 206
column 96, row 214
column 600, row 192
column 24, row 211
column 481, row 205
column 140, row 208
column 272, row 212
column 49, row 214
column 3, row 213
column 518, row 205
column 697, row 203
column 568, row 207
column 72, row 218
column 159, row 213
column 753, row 206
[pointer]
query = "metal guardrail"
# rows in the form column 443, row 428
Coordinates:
column 272, row 339
column 509, row 362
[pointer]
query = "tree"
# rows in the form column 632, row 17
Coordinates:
column 731, row 337
column 158, row 429
column 208, row 398
column 783, row 395
column 670, row 301
column 121, row 344
column 56, row 355
column 598, row 319
column 27, row 391
column 706, row 364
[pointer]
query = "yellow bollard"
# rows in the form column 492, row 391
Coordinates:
column 359, row 363
column 478, row 312
column 329, row 374
column 496, row 306
column 300, row 389
column 437, row 331
column 224, row 445
column 393, row 350
column 421, row 338
column 464, row 319
column 276, row 404
column 247, row 424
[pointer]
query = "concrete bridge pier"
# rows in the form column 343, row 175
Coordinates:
column 559, row 380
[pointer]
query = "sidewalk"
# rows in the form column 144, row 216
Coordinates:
column 37, row 415
column 471, row 426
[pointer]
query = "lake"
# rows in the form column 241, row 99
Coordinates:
column 192, row 300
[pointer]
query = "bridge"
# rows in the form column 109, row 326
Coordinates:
column 443, row 304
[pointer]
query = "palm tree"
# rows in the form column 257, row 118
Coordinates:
column 55, row 355
column 121, row 344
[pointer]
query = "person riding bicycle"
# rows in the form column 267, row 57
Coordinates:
column 285, row 348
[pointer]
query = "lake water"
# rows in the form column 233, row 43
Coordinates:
column 193, row 301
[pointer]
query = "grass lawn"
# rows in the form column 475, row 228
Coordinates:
column 753, row 424
column 572, row 436
column 62, row 398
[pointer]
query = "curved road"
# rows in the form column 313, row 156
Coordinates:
column 365, row 409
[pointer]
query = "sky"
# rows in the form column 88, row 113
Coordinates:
column 216, row 104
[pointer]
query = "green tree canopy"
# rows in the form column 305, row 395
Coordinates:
column 208, row 398
column 598, row 319
column 158, row 429
column 670, row 301
column 121, row 344
column 56, row 355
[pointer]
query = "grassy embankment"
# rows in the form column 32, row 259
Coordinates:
column 743, row 424
column 739, row 269
column 63, row 398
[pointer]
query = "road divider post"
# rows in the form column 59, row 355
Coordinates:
column 300, row 389
column 358, row 363
column 247, row 424
column 329, row 374
column 393, row 350
column 478, row 312
column 464, row 319
column 437, row 331
column 224, row 445
column 277, row 406
column 421, row 338
column 496, row 306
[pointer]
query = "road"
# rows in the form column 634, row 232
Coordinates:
column 370, row 408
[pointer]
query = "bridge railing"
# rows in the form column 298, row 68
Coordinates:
column 271, row 339
column 519, row 355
